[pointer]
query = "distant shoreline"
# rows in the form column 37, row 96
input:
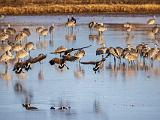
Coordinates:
column 49, row 9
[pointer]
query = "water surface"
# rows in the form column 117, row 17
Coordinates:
column 108, row 95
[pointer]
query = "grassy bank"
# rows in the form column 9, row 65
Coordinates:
column 37, row 9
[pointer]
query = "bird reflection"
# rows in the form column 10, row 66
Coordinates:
column 70, row 37
column 23, row 93
column 42, row 44
column 151, row 35
column 22, row 76
column 97, row 38
column 100, row 39
column 79, row 72
column 129, row 38
column 41, row 73
column 6, row 76
column 51, row 31
column 62, row 105
column 130, row 70
column 96, row 106
column 93, row 37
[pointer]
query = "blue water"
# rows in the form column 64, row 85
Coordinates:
column 110, row 94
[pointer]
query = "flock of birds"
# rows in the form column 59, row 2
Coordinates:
column 15, row 48
column 14, row 51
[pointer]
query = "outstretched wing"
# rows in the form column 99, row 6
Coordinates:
column 89, row 62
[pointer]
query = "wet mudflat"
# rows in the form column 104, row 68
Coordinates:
column 117, row 91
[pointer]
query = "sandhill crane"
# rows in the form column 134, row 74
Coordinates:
column 20, row 37
column 131, row 57
column 17, row 47
column 152, row 20
column 71, row 23
column 5, row 47
column 6, row 57
column 100, row 27
column 128, row 27
column 98, row 64
column 2, row 17
column 91, row 26
column 51, row 29
column 102, row 50
column 29, row 46
column 44, row 32
column 59, row 50
column 27, row 32
column 79, row 54
column 21, row 54
column 157, row 57
column 114, row 53
column 3, row 36
column 60, row 62
column 10, row 30
column 152, row 53
column 119, row 52
column 39, row 30
column 155, row 30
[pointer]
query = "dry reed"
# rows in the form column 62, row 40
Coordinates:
column 37, row 9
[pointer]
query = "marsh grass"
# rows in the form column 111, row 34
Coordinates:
column 37, row 9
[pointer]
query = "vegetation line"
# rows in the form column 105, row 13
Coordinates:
column 39, row 9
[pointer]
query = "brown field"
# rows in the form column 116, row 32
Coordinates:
column 39, row 9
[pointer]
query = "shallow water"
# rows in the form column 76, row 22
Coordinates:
column 107, row 95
